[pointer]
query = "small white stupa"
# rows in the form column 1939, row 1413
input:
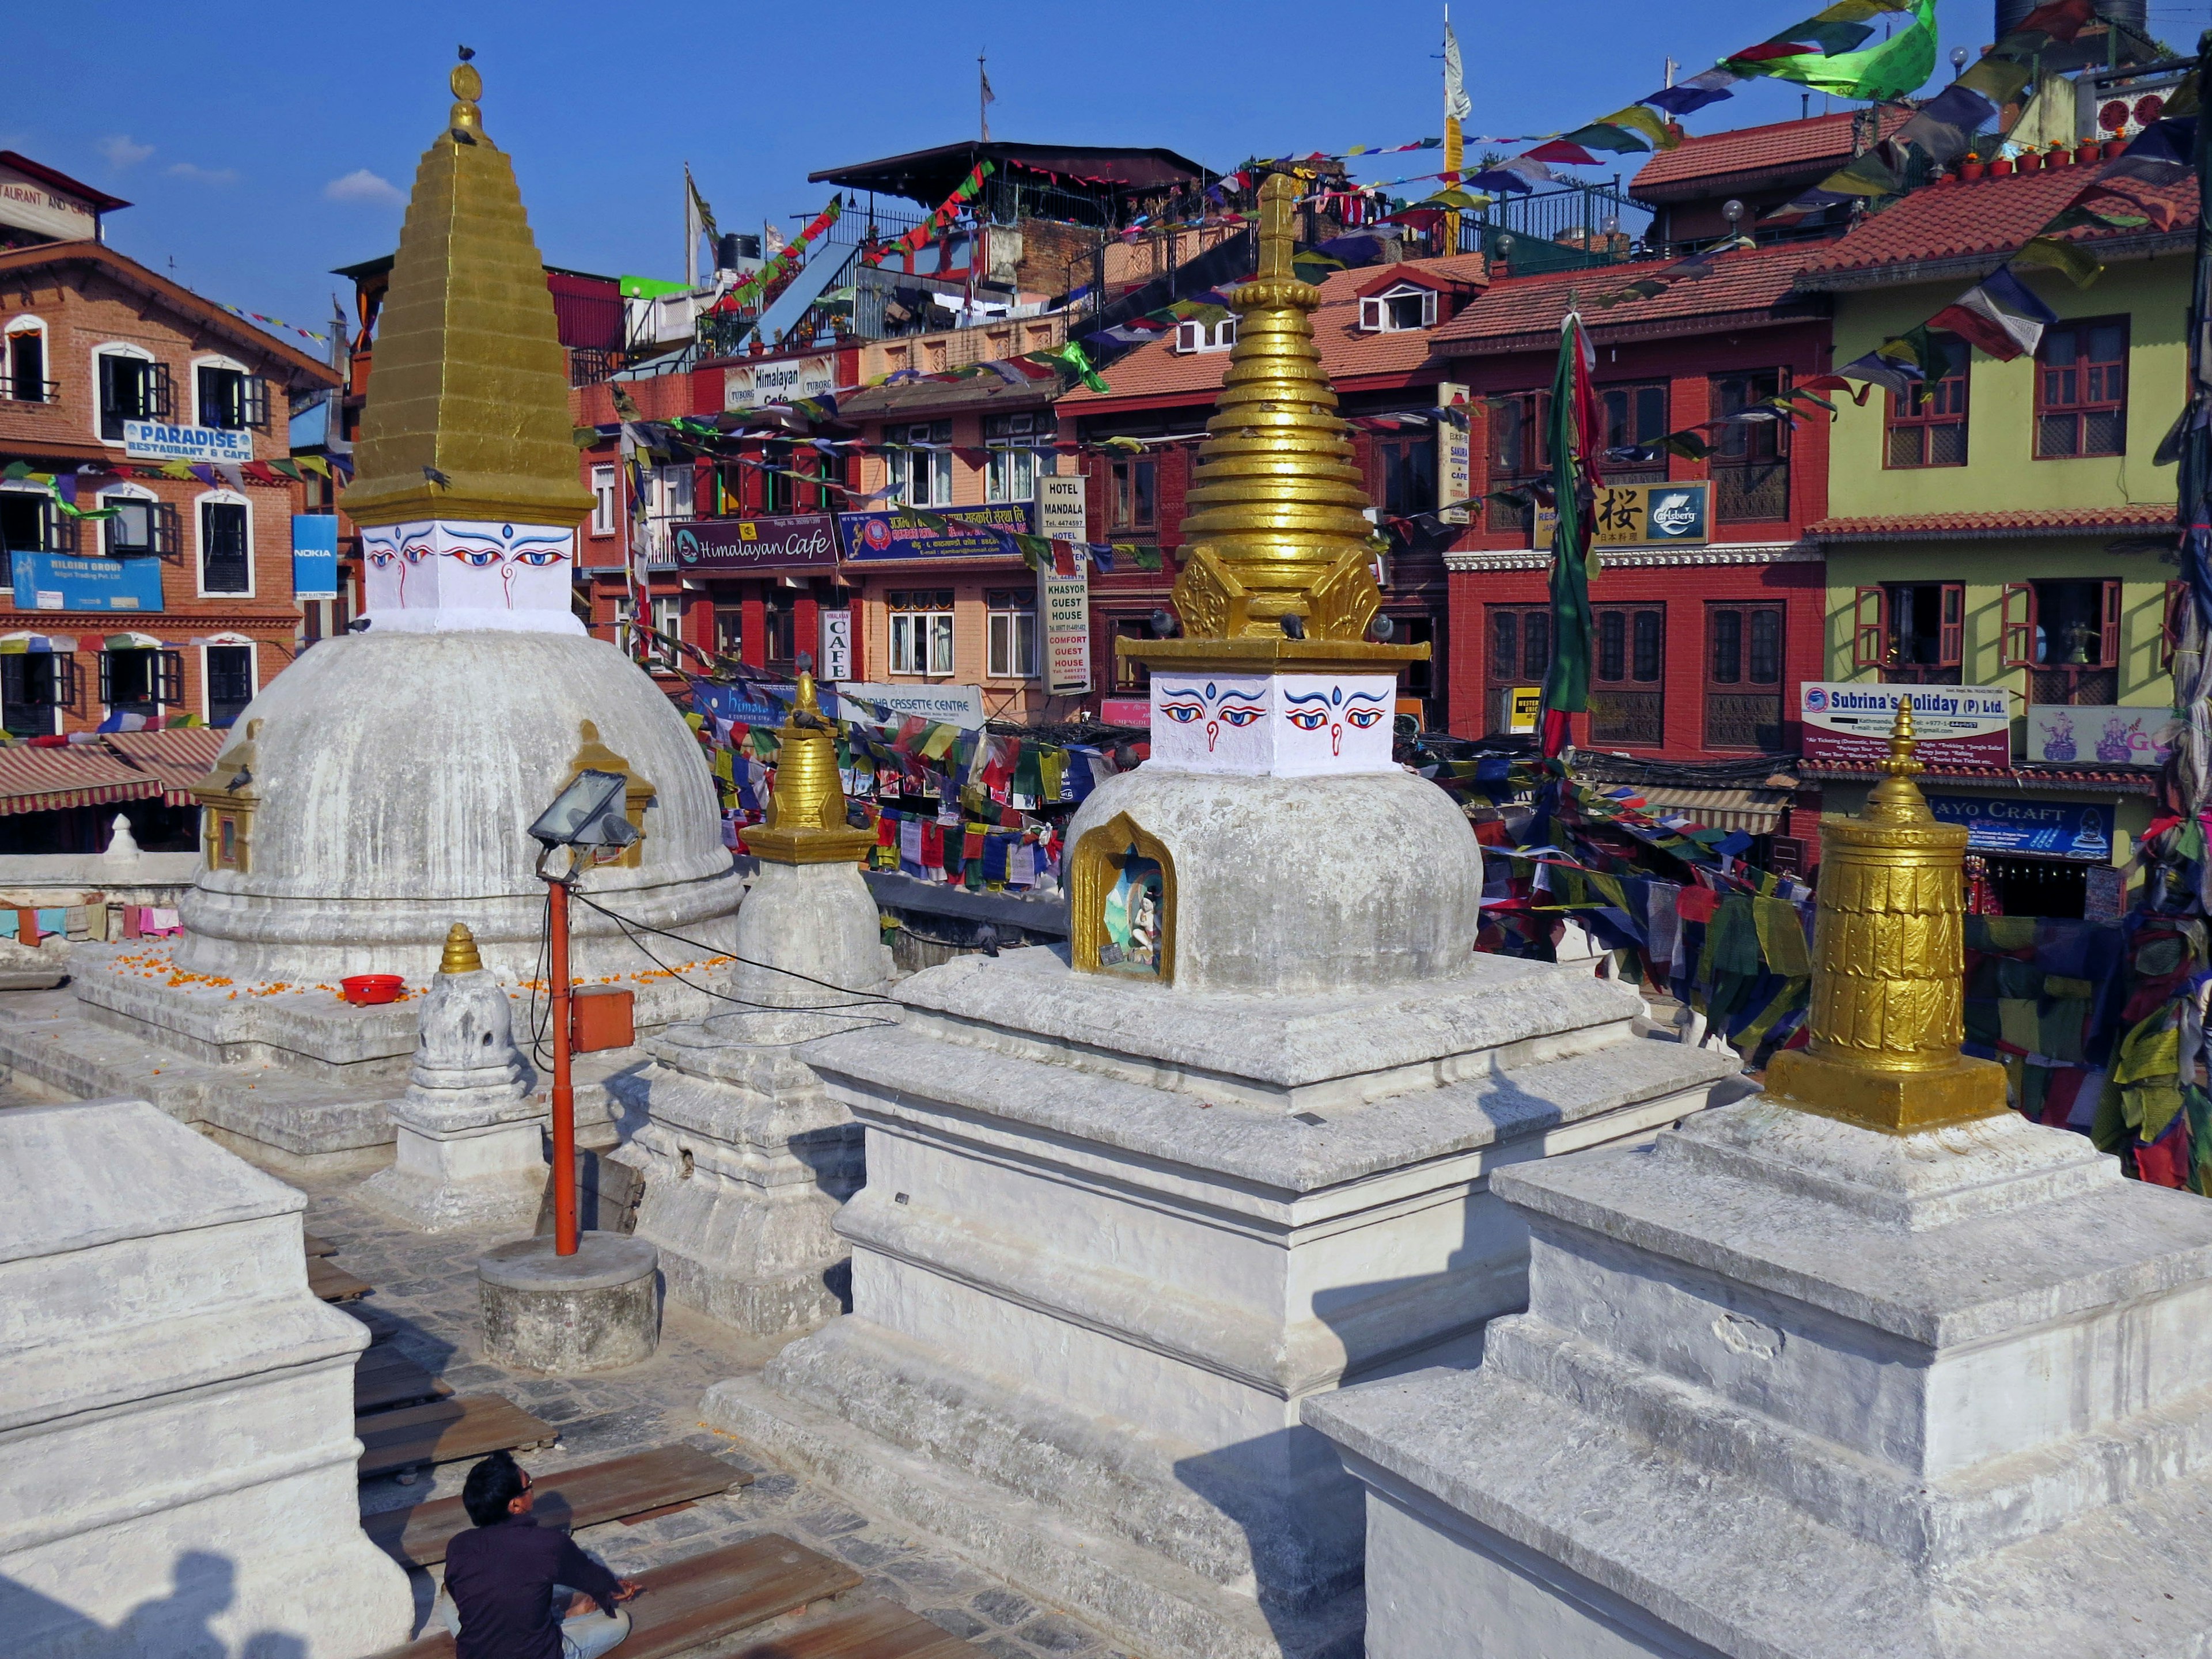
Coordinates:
column 379, row 790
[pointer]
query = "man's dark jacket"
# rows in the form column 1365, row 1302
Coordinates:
column 502, row 1579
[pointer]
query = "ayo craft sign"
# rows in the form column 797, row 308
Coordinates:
column 1962, row 725
column 2048, row 828
column 1286, row 725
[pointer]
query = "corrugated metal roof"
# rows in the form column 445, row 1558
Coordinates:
column 178, row 758
column 83, row 775
column 1517, row 312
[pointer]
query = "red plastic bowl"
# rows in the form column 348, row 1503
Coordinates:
column 363, row 988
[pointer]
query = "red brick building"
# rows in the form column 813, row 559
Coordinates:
column 161, row 411
column 1376, row 329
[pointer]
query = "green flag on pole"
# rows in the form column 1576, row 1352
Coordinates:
column 1567, row 682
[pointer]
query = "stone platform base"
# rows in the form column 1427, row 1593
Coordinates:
column 492, row 1178
column 1136, row 1594
column 596, row 1310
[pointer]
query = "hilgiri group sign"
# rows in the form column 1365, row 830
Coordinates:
column 56, row 582
column 1957, row 724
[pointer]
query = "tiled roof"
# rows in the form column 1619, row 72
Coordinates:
column 2110, row 780
column 1783, row 147
column 1155, row 369
column 1984, row 220
column 2027, row 521
column 1518, row 313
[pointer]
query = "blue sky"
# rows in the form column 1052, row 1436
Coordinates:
column 263, row 144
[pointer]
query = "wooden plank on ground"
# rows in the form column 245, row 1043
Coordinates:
column 446, row 1431
column 613, row 1491
column 872, row 1629
column 334, row 1284
column 703, row 1598
column 318, row 1246
column 383, row 1377
column 382, row 1326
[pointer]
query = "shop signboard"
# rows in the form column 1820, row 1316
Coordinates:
column 1520, row 705
column 737, row 705
column 1848, row 723
column 749, row 385
column 314, row 555
column 957, row 532
column 2064, row 734
column 836, row 660
column 59, row 581
column 948, row 705
column 160, row 441
column 1642, row 515
column 1064, row 607
column 1061, row 507
column 1454, row 453
column 2042, row 829
column 787, row 541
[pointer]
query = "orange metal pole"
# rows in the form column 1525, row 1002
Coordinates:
column 564, row 1093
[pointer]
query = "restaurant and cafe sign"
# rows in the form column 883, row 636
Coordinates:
column 2041, row 829
column 1847, row 723
column 788, row 541
column 1642, row 516
column 778, row 381
column 958, row 532
column 161, row 441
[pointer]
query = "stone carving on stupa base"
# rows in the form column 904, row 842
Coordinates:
column 469, row 1151
column 1129, row 1204
column 1869, row 1363
column 381, row 789
column 745, row 1156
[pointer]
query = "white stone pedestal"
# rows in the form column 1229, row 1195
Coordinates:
column 469, row 1147
column 747, row 1158
column 1114, row 1233
column 176, row 1410
column 1793, row 1388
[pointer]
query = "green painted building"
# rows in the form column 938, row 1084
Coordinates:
column 2004, row 532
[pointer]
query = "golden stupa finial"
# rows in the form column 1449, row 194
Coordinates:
column 467, row 415
column 1889, row 967
column 460, row 956
column 806, row 812
column 1279, row 565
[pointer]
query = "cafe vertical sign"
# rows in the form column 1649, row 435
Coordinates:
column 1063, row 608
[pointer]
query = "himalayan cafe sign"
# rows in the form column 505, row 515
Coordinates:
column 1958, row 724
column 788, row 541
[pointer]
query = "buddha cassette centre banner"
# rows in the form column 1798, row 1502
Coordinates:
column 1848, row 724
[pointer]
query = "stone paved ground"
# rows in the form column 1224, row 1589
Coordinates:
column 426, row 1288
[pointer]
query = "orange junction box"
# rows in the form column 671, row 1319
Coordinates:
column 601, row 1017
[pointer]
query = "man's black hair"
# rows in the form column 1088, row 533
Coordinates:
column 491, row 1487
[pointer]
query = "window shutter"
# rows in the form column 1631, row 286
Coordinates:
column 1951, row 638
column 1429, row 310
column 172, row 666
column 1189, row 337
column 2110, row 617
column 169, row 533
column 2172, row 623
column 106, row 676
column 255, row 398
column 161, row 395
column 65, row 681
column 2016, row 626
column 1370, row 315
column 1870, row 627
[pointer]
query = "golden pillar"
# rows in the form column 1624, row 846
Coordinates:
column 1277, row 526
column 1889, row 968
column 807, row 814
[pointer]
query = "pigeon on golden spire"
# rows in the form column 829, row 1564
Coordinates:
column 1889, row 967
column 1278, row 566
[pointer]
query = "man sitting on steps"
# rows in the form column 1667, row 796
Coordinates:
column 518, row 1592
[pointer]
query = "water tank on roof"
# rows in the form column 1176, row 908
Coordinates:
column 2136, row 14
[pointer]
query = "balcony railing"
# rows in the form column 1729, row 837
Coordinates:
column 14, row 391
column 1751, row 492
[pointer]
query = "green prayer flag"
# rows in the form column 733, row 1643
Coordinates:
column 1567, row 682
column 1892, row 70
column 2080, row 265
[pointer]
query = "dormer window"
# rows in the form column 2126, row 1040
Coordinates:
column 1201, row 337
column 1407, row 306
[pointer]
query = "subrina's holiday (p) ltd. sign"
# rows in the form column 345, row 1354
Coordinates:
column 1849, row 723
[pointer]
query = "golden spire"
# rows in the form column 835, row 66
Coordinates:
column 1277, row 526
column 807, row 814
column 460, row 956
column 1889, row 968
column 468, row 380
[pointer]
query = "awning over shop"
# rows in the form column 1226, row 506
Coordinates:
column 50, row 780
column 177, row 758
column 1754, row 811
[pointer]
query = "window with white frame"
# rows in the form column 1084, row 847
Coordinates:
column 32, row 522
column 921, row 632
column 35, row 686
column 1012, row 462
column 1205, row 337
column 668, row 624
column 224, row 395
column 603, row 500
column 1011, row 634
column 921, row 463
column 141, row 679
column 227, row 671
column 226, row 545
column 23, row 371
column 1407, row 305
column 142, row 527
column 132, row 387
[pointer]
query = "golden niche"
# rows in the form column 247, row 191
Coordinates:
column 594, row 756
column 1122, row 903
column 227, row 796
column 1889, row 968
